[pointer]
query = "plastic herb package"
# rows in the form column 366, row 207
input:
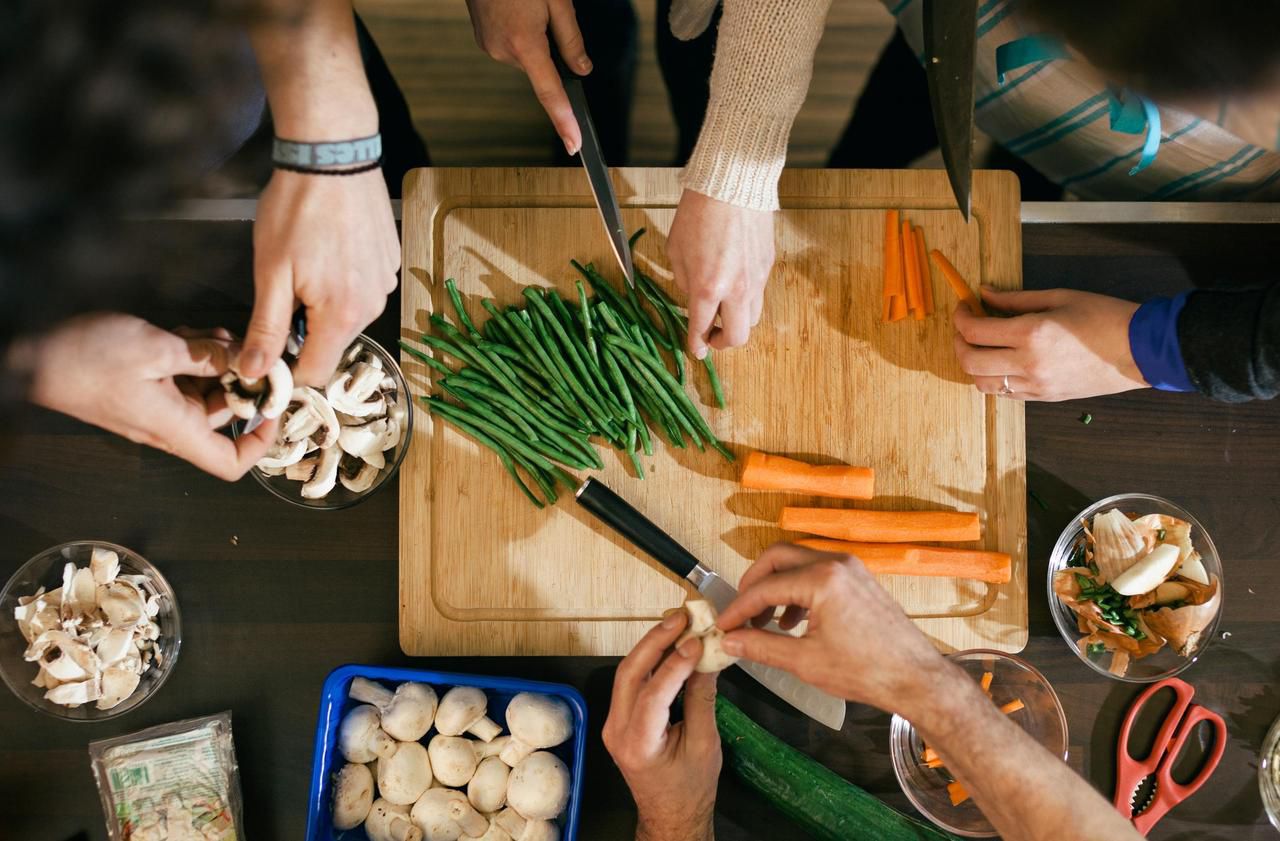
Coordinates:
column 173, row 782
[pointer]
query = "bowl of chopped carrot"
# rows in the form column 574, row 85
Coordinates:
column 1019, row 691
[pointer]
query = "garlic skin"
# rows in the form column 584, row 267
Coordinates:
column 702, row 625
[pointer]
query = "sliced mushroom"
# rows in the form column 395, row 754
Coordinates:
column 326, row 475
column 354, row 391
column 282, row 454
column 74, row 694
column 117, row 685
column 303, row 470
column 364, row 439
column 104, row 564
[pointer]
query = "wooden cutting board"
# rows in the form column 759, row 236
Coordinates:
column 483, row 572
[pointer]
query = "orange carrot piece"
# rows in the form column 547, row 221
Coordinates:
column 912, row 270
column 957, row 793
column 897, row 307
column 934, row 763
column 1013, row 706
column 958, row 284
column 883, row 526
column 764, row 472
column 926, row 277
column 930, row 755
column 893, row 270
column 928, row 561
column 987, row 677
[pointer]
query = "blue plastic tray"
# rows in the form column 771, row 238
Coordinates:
column 334, row 704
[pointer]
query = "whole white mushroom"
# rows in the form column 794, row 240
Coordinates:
column 361, row 738
column 352, row 796
column 406, row 714
column 390, row 822
column 538, row 787
column 537, row 722
column 520, row 829
column 462, row 710
column 405, row 774
column 453, row 759
column 444, row 814
column 487, row 790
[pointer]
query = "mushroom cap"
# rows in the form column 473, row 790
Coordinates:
column 487, row 790
column 352, row 796
column 538, row 787
column 360, row 737
column 411, row 711
column 461, row 707
column 279, row 390
column 404, row 775
column 432, row 814
column 540, row 721
column 390, row 822
column 453, row 759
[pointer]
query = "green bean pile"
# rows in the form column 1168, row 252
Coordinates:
column 537, row 382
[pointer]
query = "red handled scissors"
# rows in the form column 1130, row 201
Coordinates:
column 1178, row 725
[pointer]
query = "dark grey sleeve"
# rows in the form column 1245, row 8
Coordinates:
column 1230, row 341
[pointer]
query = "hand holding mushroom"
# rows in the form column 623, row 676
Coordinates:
column 149, row 385
column 671, row 769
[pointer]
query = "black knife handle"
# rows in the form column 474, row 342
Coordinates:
column 617, row 513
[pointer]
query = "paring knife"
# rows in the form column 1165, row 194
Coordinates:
column 950, row 45
column 618, row 514
column 293, row 347
column 592, row 156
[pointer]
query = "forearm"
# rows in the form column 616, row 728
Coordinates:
column 1024, row 791
column 763, row 64
column 1230, row 342
column 651, row 832
column 313, row 73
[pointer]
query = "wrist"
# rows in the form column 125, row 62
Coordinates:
column 695, row 830
column 930, row 689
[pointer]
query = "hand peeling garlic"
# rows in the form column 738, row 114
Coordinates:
column 702, row 625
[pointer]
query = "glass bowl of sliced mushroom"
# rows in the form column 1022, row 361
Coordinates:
column 88, row 631
column 339, row 444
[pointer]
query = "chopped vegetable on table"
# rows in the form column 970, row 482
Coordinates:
column 536, row 383
column 765, row 472
column 959, row 285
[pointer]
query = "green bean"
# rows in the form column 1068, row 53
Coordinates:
column 620, row 385
column 497, row 448
column 631, row 452
column 547, row 312
column 529, row 450
column 456, row 298
column 645, row 443
column 426, row 359
column 543, row 326
column 480, row 408
column 508, row 408
column 595, row 375
column 585, row 310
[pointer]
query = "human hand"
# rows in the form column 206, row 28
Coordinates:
column 514, row 32
column 858, row 644
column 329, row 243
column 1058, row 345
column 149, row 385
column 671, row 769
column 721, row 256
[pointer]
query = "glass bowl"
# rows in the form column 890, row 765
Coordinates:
column 1165, row 662
column 1042, row 718
column 338, row 498
column 1269, row 774
column 45, row 569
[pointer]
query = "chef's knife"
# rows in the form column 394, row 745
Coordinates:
column 619, row 515
column 950, row 44
column 592, row 156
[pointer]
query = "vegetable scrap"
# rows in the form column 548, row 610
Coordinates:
column 537, row 382
column 930, row 759
column 764, row 472
column 491, row 786
column 956, row 281
column 1086, row 418
column 1137, row 583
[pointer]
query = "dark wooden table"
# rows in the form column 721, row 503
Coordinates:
column 273, row 597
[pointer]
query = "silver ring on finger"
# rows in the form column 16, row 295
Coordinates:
column 1005, row 388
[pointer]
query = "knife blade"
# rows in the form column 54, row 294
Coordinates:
column 619, row 515
column 293, row 347
column 592, row 156
column 950, row 44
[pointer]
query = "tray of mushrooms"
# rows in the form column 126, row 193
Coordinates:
column 420, row 756
column 344, row 434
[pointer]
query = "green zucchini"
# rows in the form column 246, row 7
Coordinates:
column 822, row 803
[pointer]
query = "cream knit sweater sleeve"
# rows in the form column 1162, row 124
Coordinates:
column 763, row 64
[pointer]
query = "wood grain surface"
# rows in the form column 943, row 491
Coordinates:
column 483, row 572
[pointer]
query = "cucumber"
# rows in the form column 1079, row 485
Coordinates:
column 824, row 804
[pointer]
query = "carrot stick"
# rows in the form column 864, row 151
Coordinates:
column 934, row 763
column 926, row 277
column 930, row 755
column 987, row 677
column 912, row 270
column 893, row 270
column 897, row 307
column 929, row 561
column 1013, row 706
column 957, row 793
column 883, row 526
column 764, row 472
column 958, row 284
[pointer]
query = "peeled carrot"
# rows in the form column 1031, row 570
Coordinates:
column 883, row 526
column 930, row 561
column 764, row 472
column 987, row 677
column 958, row 284
column 1013, row 706
column 926, row 277
column 957, row 793
column 894, row 278
column 912, row 268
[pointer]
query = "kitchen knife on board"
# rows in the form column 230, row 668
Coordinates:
column 618, row 514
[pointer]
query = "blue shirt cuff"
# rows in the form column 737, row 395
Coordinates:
column 1153, row 341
